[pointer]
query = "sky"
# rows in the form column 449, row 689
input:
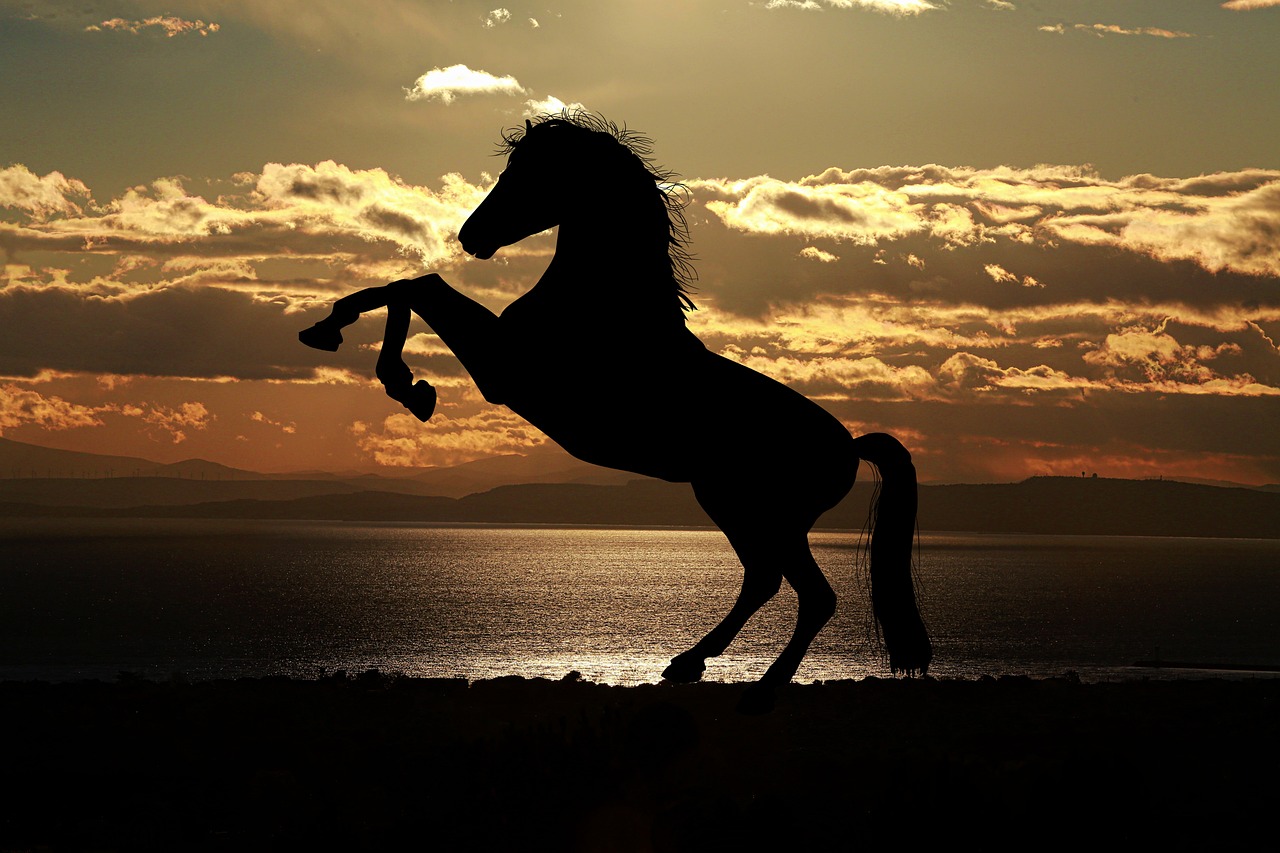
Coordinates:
column 1024, row 237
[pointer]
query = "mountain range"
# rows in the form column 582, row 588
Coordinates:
column 554, row 489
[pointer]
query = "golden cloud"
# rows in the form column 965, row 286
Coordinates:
column 863, row 212
column 856, row 378
column 176, row 421
column 405, row 442
column 287, row 427
column 1116, row 30
column 1221, row 222
column 20, row 406
column 816, row 254
column 178, row 265
column 41, row 197
column 358, row 221
column 23, row 406
column 168, row 24
column 446, row 84
column 892, row 7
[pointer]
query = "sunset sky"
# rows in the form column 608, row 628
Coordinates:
column 1025, row 237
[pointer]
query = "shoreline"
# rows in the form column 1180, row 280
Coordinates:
column 373, row 762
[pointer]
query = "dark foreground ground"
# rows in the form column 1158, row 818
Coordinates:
column 380, row 763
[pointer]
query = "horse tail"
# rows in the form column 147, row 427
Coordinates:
column 893, row 528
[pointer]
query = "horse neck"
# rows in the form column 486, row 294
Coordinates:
column 608, row 269
column 615, row 256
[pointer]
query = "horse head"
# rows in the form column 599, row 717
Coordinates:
column 546, row 158
column 595, row 180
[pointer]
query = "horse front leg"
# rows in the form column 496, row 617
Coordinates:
column 465, row 326
column 396, row 377
column 327, row 334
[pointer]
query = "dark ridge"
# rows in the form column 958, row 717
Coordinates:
column 1041, row 505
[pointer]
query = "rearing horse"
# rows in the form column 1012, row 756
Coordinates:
column 597, row 356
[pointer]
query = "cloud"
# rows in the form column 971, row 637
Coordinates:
column 25, row 407
column 403, row 441
column 1246, row 5
column 816, row 254
column 167, row 24
column 1226, row 222
column 446, row 84
column 974, row 373
column 862, row 212
column 41, row 197
column 1235, row 233
column 496, row 17
column 1002, row 5
column 1102, row 30
column 865, row 378
column 289, row 427
column 1166, row 368
column 22, row 406
column 550, row 105
column 1000, row 274
column 892, row 7
column 288, row 211
column 863, row 288
column 166, row 281
column 1155, row 357
column 175, row 422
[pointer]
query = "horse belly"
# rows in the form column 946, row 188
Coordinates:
column 612, row 428
column 761, row 433
column 690, row 419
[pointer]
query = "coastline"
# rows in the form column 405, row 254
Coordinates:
column 375, row 762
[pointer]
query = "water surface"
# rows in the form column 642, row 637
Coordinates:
column 214, row 598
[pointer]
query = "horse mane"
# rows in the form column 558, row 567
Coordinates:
column 675, row 195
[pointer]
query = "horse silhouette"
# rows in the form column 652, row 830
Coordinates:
column 597, row 356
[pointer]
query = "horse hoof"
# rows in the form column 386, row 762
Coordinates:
column 757, row 699
column 683, row 670
column 321, row 336
column 421, row 400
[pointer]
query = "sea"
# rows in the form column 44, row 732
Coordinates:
column 215, row 599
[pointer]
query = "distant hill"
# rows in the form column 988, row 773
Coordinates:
column 92, row 479
column 1061, row 505
column 1103, row 506
column 126, row 492
column 21, row 460
column 539, row 467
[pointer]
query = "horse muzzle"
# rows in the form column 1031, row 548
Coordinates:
column 476, row 247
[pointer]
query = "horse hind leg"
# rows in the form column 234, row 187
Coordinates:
column 767, row 557
column 770, row 549
column 761, row 580
column 816, row 605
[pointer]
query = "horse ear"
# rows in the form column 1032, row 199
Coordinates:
column 528, row 125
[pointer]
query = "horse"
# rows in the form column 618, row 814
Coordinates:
column 598, row 356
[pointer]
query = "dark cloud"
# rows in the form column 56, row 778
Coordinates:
column 210, row 333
